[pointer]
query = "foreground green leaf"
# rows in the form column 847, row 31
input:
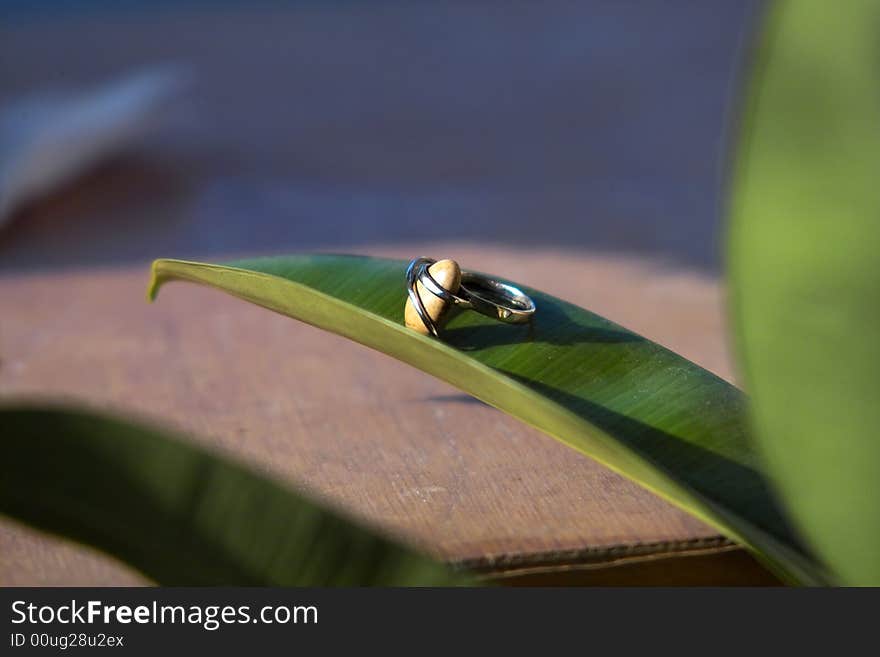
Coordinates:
column 605, row 391
column 806, row 274
column 181, row 515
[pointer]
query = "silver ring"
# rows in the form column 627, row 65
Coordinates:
column 496, row 299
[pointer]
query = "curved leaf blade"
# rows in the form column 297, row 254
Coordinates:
column 603, row 390
column 806, row 278
column 181, row 515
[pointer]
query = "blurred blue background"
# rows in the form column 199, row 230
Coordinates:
column 594, row 126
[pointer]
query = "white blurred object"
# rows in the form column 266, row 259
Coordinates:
column 47, row 140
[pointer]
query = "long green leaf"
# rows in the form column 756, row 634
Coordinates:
column 181, row 515
column 806, row 274
column 605, row 391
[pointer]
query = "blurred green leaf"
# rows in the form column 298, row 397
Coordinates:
column 805, row 271
column 181, row 515
column 599, row 388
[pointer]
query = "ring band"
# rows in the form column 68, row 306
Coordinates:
column 496, row 299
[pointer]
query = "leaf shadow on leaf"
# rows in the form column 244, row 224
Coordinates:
column 480, row 336
column 551, row 325
column 733, row 482
column 456, row 398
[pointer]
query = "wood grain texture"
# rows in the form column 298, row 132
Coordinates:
column 389, row 443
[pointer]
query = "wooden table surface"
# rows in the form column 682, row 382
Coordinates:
column 531, row 143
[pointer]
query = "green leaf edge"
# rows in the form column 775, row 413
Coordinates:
column 322, row 311
column 58, row 464
column 765, row 45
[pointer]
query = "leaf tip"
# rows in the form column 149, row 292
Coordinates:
column 156, row 279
